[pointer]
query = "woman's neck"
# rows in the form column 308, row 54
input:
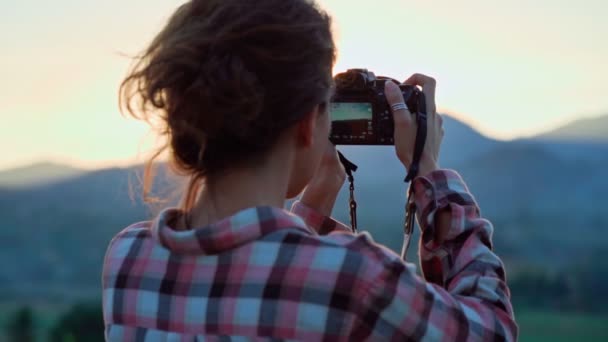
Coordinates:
column 225, row 195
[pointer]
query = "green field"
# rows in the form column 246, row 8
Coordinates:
column 537, row 326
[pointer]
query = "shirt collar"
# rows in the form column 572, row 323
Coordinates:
column 245, row 226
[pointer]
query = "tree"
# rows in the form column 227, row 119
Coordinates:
column 83, row 322
column 20, row 327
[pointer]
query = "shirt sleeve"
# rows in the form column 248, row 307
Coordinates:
column 320, row 223
column 464, row 297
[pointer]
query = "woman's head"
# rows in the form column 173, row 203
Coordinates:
column 227, row 78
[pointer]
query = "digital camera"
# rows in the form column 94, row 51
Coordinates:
column 359, row 111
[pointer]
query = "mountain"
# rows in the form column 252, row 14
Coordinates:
column 585, row 140
column 547, row 210
column 59, row 231
column 575, row 151
column 583, row 130
column 37, row 174
column 462, row 142
column 524, row 177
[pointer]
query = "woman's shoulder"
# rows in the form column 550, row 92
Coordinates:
column 122, row 243
column 132, row 232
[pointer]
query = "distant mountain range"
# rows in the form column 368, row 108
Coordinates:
column 461, row 142
column 583, row 130
column 546, row 199
column 37, row 174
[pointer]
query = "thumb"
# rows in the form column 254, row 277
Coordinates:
column 402, row 117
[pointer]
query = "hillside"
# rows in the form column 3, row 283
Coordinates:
column 37, row 174
column 583, row 130
column 60, row 231
column 461, row 142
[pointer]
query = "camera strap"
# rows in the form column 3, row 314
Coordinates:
column 419, row 145
column 350, row 167
column 410, row 207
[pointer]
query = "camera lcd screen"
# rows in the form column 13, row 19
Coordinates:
column 347, row 111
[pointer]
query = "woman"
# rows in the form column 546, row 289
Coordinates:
column 241, row 91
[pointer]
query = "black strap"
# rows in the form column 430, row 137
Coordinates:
column 410, row 207
column 349, row 167
column 421, row 132
column 408, row 227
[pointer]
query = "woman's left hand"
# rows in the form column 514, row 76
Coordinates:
column 321, row 192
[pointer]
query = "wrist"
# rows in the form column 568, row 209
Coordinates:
column 323, row 205
column 320, row 197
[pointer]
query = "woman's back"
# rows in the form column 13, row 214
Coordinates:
column 265, row 273
column 262, row 273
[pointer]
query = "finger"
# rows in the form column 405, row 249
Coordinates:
column 401, row 117
column 420, row 79
column 429, row 86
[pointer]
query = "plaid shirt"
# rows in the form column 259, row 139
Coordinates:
column 268, row 274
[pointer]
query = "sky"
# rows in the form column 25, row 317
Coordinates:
column 509, row 68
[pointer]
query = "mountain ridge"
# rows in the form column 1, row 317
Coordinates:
column 584, row 130
column 585, row 138
column 40, row 173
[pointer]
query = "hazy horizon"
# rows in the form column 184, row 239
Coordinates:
column 508, row 73
column 142, row 157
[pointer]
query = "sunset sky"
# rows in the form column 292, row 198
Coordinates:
column 509, row 68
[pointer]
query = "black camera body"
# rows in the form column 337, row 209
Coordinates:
column 359, row 111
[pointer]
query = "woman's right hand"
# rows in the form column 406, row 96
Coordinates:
column 406, row 126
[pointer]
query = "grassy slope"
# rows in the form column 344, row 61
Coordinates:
column 537, row 326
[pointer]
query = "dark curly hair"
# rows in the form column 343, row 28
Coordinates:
column 224, row 78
